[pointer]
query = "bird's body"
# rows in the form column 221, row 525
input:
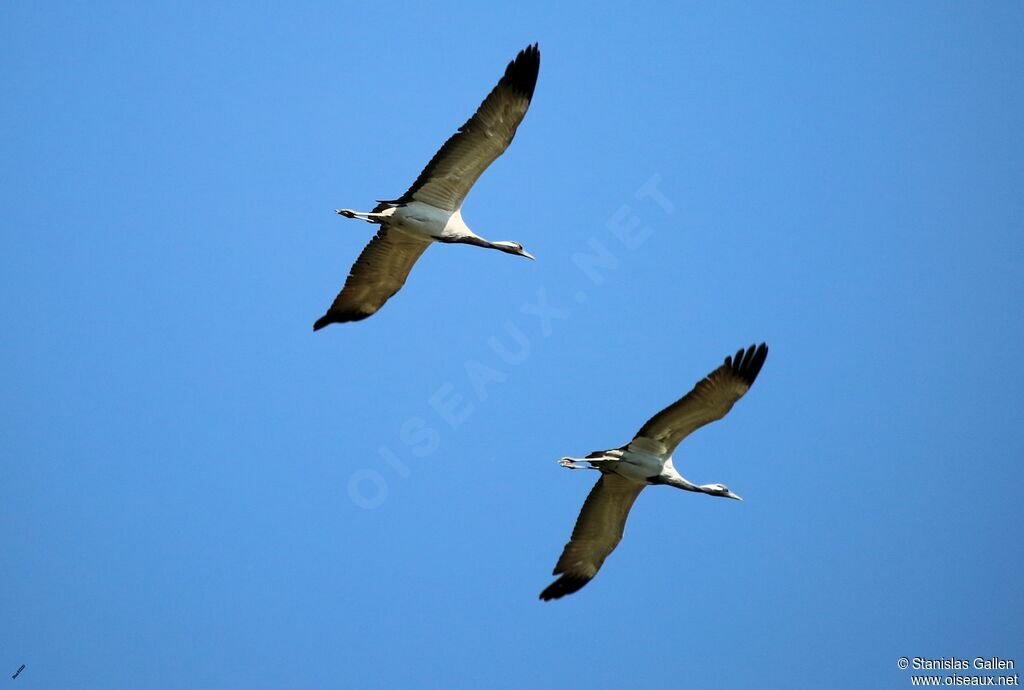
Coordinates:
column 642, row 460
column 427, row 222
column 431, row 210
column 422, row 221
column 646, row 461
column 633, row 461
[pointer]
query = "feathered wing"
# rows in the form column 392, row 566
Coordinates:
column 598, row 531
column 710, row 400
column 455, row 168
column 378, row 273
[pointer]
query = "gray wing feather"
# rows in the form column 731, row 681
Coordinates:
column 710, row 400
column 378, row 273
column 455, row 168
column 598, row 531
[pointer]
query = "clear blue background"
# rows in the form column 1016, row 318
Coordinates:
column 184, row 462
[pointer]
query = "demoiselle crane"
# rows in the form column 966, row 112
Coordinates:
column 431, row 210
column 644, row 461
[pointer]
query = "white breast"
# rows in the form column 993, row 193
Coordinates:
column 424, row 220
column 639, row 465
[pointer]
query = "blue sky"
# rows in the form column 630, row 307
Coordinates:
column 200, row 492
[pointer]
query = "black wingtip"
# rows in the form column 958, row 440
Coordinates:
column 521, row 73
column 566, row 584
column 339, row 317
column 747, row 363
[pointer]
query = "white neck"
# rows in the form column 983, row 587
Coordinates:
column 670, row 476
column 680, row 482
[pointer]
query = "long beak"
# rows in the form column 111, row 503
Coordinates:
column 730, row 494
column 528, row 255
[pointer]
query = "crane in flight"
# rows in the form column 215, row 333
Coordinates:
column 644, row 461
column 431, row 210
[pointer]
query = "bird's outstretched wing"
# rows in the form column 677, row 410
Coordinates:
column 455, row 168
column 710, row 400
column 598, row 531
column 378, row 273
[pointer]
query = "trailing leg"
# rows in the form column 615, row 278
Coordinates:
column 574, row 464
column 374, row 218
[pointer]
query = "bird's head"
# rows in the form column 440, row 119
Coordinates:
column 512, row 248
column 719, row 490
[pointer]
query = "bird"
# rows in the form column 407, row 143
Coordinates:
column 646, row 461
column 431, row 210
